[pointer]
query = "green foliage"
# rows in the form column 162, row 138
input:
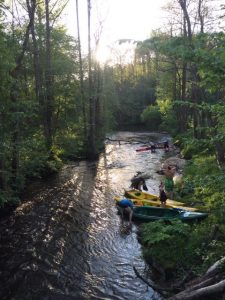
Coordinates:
column 71, row 144
column 194, row 248
column 36, row 160
column 211, row 60
column 130, row 99
column 208, row 171
column 8, row 199
column 204, row 251
column 169, row 123
column 22, row 116
column 208, row 181
column 151, row 116
column 194, row 146
column 165, row 243
column 178, row 246
column 165, row 104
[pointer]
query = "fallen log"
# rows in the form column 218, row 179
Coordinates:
column 165, row 291
column 216, row 267
column 203, row 283
column 212, row 272
column 210, row 285
column 201, row 293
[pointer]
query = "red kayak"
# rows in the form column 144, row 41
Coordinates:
column 143, row 149
column 149, row 148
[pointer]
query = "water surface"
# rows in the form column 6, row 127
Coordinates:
column 66, row 240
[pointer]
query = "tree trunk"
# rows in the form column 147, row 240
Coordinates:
column 38, row 74
column 81, row 73
column 14, row 99
column 98, row 108
column 48, row 82
column 208, row 292
column 92, row 151
column 2, row 167
column 200, row 16
column 183, row 5
column 219, row 147
column 183, row 125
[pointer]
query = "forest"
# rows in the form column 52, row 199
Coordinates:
column 58, row 104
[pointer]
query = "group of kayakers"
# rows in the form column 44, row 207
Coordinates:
column 165, row 188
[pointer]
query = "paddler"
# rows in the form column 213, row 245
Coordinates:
column 126, row 206
column 169, row 172
column 138, row 183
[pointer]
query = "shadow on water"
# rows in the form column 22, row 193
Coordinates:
column 66, row 240
column 37, row 248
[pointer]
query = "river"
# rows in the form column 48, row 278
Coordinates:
column 65, row 241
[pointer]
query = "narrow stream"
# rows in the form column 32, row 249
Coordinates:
column 65, row 241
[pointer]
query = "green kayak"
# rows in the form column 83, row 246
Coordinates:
column 149, row 213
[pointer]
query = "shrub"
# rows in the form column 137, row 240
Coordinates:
column 151, row 116
column 180, row 247
column 165, row 243
column 169, row 123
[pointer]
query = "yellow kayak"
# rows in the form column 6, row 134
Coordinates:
column 135, row 194
column 156, row 203
column 153, row 200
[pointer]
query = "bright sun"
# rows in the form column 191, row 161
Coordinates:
column 102, row 55
column 116, row 20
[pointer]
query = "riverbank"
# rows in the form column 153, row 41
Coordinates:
column 191, row 259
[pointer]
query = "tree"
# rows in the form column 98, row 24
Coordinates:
column 81, row 72
column 92, row 151
column 15, row 73
column 48, row 81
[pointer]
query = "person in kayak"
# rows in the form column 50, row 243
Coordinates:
column 138, row 183
column 162, row 195
column 166, row 146
column 169, row 172
column 126, row 206
column 153, row 148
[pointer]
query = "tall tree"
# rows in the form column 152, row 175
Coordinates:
column 48, row 81
column 15, row 73
column 38, row 73
column 81, row 72
column 92, row 150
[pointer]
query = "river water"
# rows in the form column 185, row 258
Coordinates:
column 66, row 241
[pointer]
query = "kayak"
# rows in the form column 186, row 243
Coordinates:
column 149, row 148
column 148, row 214
column 143, row 149
column 155, row 202
column 146, row 196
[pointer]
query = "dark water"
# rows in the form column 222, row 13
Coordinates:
column 66, row 240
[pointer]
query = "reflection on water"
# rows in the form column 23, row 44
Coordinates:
column 67, row 240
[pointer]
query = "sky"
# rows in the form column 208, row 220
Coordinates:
column 119, row 19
